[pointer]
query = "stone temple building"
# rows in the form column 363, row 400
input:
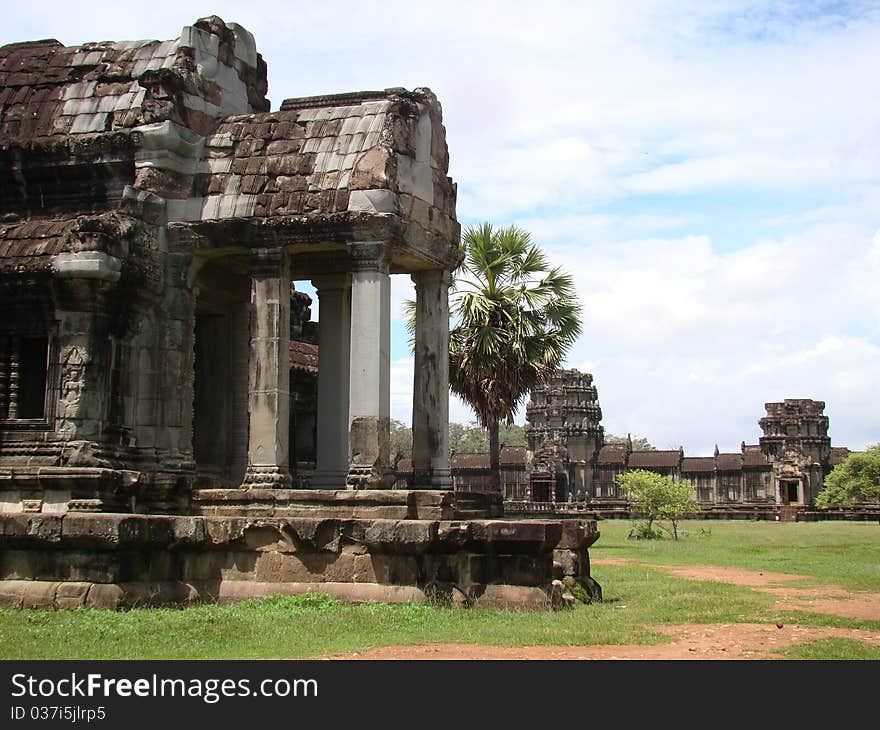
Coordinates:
column 568, row 462
column 155, row 360
column 786, row 467
column 564, row 437
column 154, row 214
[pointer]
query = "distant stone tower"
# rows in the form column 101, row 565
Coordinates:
column 564, row 435
column 797, row 444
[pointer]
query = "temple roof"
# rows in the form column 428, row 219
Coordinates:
column 730, row 462
column 48, row 90
column 359, row 166
column 178, row 133
column 33, row 243
column 654, row 459
column 613, row 454
column 752, row 456
column 304, row 357
column 838, row 455
column 510, row 456
column 698, row 464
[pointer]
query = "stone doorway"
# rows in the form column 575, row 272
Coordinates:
column 540, row 485
column 220, row 373
column 790, row 491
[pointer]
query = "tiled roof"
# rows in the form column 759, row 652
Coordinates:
column 328, row 156
column 32, row 244
column 612, row 454
column 470, row 461
column 654, row 459
column 510, row 456
column 753, row 457
column 698, row 464
column 838, row 454
column 730, row 462
column 304, row 356
column 24, row 246
column 513, row 455
column 50, row 90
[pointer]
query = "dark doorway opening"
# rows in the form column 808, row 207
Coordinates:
column 540, row 486
column 789, row 489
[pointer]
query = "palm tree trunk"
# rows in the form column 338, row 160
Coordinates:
column 494, row 457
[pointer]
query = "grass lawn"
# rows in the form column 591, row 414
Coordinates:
column 840, row 553
column 637, row 597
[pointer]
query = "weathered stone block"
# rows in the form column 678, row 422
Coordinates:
column 23, row 564
column 37, row 593
column 239, row 565
column 410, row 536
column 93, row 566
column 316, row 534
column 302, row 567
column 396, row 569
column 351, row 567
column 524, row 570
column 105, row 595
column 566, row 562
column 71, row 595
column 513, row 537
column 270, row 537
column 189, row 530
column 507, row 596
column 14, row 525
column 202, row 566
column 105, row 529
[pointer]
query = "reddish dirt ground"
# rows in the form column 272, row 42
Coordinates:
column 825, row 599
column 691, row 641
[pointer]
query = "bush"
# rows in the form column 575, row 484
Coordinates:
column 658, row 497
column 643, row 530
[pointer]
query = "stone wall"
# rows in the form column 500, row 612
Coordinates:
column 119, row 560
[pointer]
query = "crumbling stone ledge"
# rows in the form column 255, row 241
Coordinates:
column 124, row 560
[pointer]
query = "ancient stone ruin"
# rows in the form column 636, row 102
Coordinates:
column 568, row 467
column 157, row 379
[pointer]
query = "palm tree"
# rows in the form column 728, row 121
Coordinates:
column 513, row 318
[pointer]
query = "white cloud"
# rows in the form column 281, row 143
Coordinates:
column 688, row 343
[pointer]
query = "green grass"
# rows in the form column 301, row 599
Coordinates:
column 301, row 626
column 841, row 553
column 832, row 649
column 637, row 598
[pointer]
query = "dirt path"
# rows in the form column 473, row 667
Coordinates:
column 691, row 641
column 822, row 599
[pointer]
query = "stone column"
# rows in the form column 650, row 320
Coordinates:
column 370, row 384
column 82, row 285
column 334, row 347
column 269, row 370
column 4, row 376
column 430, row 419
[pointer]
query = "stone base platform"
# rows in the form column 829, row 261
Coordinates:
column 398, row 504
column 389, row 546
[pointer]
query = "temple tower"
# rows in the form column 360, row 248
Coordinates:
column 564, row 435
column 797, row 444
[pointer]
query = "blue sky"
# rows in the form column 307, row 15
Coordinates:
column 708, row 170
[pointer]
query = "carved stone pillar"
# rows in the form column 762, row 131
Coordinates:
column 4, row 376
column 14, row 364
column 370, row 382
column 430, row 419
column 269, row 366
column 82, row 284
column 334, row 347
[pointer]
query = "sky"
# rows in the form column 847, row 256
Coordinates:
column 707, row 170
